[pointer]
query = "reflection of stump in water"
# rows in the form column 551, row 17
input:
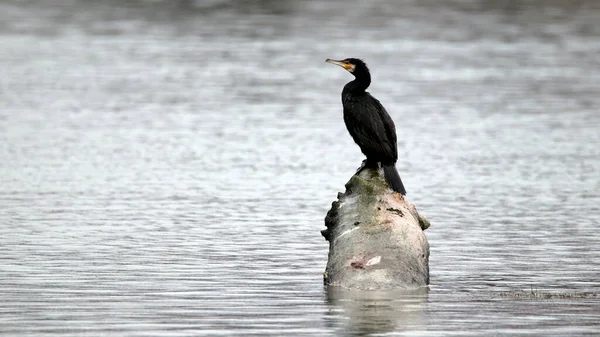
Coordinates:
column 375, row 312
column 376, row 238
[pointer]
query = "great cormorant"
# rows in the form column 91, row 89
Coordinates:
column 369, row 124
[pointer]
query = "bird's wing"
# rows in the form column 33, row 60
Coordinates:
column 390, row 128
column 372, row 129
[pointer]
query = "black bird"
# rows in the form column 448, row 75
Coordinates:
column 369, row 124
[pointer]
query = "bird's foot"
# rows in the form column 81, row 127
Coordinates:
column 363, row 166
column 366, row 164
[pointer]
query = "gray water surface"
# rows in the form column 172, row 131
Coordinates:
column 166, row 166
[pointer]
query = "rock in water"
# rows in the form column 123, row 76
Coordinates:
column 376, row 238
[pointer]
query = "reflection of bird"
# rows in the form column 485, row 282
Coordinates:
column 369, row 124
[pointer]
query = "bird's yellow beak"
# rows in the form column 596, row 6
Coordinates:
column 346, row 65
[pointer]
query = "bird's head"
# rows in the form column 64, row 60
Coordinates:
column 354, row 66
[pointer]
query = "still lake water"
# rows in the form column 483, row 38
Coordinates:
column 166, row 167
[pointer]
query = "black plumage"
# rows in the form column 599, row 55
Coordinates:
column 369, row 124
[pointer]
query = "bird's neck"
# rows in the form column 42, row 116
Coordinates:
column 359, row 85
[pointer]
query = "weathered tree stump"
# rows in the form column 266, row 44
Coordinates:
column 376, row 238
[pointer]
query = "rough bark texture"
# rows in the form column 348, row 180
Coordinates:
column 376, row 238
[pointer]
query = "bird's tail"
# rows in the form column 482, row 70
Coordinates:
column 393, row 178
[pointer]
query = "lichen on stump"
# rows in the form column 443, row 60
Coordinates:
column 376, row 238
